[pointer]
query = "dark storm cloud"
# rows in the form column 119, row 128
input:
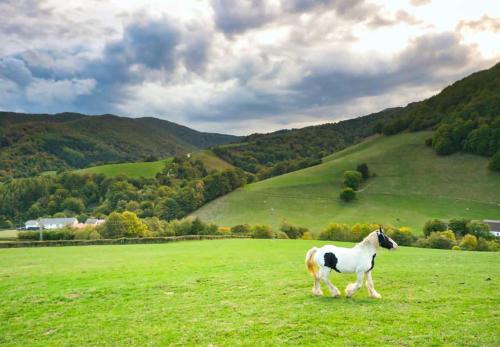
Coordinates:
column 428, row 61
column 15, row 70
column 235, row 16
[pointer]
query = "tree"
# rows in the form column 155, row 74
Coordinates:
column 459, row 226
column 479, row 229
column 494, row 164
column 352, row 179
column 364, row 171
column 73, row 204
column 125, row 224
column 348, row 194
column 292, row 231
column 434, row 225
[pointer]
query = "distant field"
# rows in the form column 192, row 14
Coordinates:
column 144, row 169
column 150, row 169
column 211, row 161
column 8, row 235
column 412, row 184
column 241, row 292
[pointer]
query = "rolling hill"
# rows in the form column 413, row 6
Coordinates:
column 31, row 144
column 412, row 184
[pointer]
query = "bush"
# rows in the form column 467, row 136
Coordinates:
column 455, row 248
column 58, row 234
column 441, row 239
column 469, row 242
column 459, row 226
column 158, row 227
column 479, row 229
column 364, row 171
column 307, row 236
column 352, row 179
column 28, row 235
column 262, row 232
column 87, row 233
column 292, row 231
column 434, row 225
column 337, row 232
column 402, row 236
column 428, row 142
column 281, row 235
column 360, row 230
column 125, row 224
column 488, row 246
column 241, row 229
column 494, row 164
column 347, row 194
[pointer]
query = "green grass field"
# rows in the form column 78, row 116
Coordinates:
column 144, row 169
column 412, row 185
column 8, row 235
column 241, row 292
column 150, row 169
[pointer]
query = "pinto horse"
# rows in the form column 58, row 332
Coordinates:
column 360, row 260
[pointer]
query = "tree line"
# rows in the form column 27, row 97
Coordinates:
column 183, row 186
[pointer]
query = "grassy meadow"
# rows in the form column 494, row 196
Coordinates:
column 150, row 169
column 412, row 185
column 241, row 292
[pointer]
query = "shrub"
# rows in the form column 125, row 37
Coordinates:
column 494, row 164
column 125, row 224
column 441, row 239
column 347, row 194
column 158, row 227
column 307, row 236
column 488, row 246
column 479, row 229
column 459, row 226
column 87, row 233
column 364, row 171
column 28, row 235
column 469, row 242
column 337, row 232
column 281, row 235
column 262, row 232
column 402, row 236
column 428, row 142
column 292, row 231
column 58, row 234
column 360, row 230
column 455, row 248
column 241, row 229
column 352, row 179
column 434, row 225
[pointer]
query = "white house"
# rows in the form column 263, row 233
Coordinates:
column 56, row 223
column 32, row 225
column 494, row 226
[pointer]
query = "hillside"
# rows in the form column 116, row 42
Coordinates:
column 31, row 144
column 466, row 115
column 150, row 169
column 412, row 184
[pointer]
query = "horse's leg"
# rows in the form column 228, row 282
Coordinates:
column 354, row 287
column 325, row 272
column 369, row 284
column 316, row 290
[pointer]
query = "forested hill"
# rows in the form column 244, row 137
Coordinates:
column 465, row 115
column 33, row 143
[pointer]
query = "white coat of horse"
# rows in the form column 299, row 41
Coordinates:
column 359, row 260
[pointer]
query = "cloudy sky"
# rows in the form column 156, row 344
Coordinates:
column 238, row 66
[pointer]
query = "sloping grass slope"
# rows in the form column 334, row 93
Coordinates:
column 412, row 184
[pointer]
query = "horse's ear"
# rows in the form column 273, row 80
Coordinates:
column 380, row 228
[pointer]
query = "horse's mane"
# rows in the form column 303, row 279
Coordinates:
column 368, row 240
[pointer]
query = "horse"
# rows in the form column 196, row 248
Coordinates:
column 360, row 260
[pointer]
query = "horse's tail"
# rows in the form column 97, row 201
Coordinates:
column 310, row 262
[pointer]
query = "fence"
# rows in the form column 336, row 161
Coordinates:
column 122, row 241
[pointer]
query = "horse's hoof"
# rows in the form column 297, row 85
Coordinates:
column 377, row 296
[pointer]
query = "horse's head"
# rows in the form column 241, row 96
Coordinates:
column 385, row 241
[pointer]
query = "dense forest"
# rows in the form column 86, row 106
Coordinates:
column 465, row 115
column 31, row 144
column 183, row 186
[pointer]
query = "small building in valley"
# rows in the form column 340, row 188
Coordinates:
column 494, row 226
column 50, row 223
column 32, row 225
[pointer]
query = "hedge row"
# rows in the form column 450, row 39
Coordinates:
column 121, row 241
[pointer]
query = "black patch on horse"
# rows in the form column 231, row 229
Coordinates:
column 331, row 261
column 384, row 241
column 373, row 262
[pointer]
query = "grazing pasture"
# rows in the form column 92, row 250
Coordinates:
column 241, row 292
column 144, row 169
column 412, row 184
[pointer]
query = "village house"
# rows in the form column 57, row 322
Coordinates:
column 494, row 226
column 58, row 223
